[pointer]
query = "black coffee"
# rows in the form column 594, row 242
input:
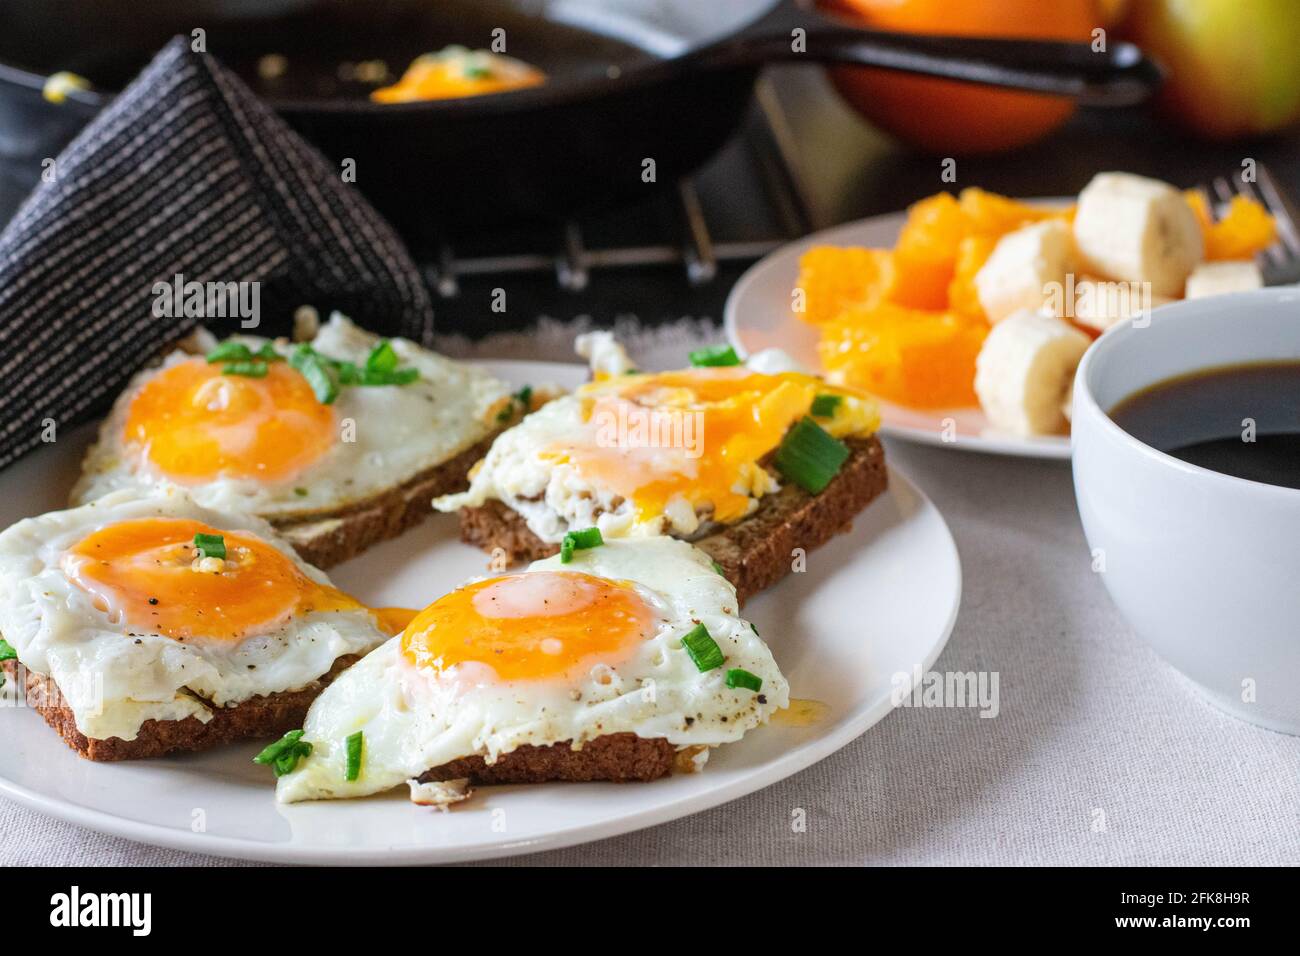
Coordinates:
column 1241, row 420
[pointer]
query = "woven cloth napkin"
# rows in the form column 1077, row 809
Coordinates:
column 186, row 173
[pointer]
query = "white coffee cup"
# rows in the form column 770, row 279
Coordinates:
column 1205, row 566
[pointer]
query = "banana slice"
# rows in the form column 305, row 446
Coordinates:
column 1024, row 370
column 1216, row 278
column 1137, row 229
column 1099, row 303
column 1022, row 268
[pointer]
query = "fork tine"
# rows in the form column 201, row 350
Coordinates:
column 1223, row 189
column 1277, row 252
column 1283, row 209
column 1208, row 201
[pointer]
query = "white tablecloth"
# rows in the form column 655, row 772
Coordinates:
column 1100, row 754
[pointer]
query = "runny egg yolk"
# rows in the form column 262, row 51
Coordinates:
column 542, row 625
column 146, row 574
column 194, row 423
column 696, row 435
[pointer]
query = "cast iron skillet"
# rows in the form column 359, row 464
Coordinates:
column 629, row 80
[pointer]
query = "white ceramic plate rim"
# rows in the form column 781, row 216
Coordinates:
column 771, row 771
column 875, row 231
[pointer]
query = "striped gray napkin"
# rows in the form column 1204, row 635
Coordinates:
column 187, row 201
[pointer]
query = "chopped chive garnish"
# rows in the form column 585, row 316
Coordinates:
column 267, row 353
column 579, row 541
column 230, row 351
column 283, row 755
column 717, row 567
column 810, row 457
column 247, row 369
column 739, row 677
column 314, row 370
column 382, row 358
column 714, row 355
column 702, row 648
column 7, row 652
column 400, row 376
column 354, row 743
column 823, row 406
column 210, row 545
column 523, row 397
column 300, row 492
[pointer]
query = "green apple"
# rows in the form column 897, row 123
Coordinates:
column 1234, row 65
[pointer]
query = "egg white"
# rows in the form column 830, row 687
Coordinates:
column 115, row 676
column 398, row 432
column 412, row 722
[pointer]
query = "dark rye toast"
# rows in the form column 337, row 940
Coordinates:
column 620, row 758
column 263, row 716
column 754, row 553
column 325, row 540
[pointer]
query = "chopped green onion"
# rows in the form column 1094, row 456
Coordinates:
column 382, row 358
column 810, row 457
column 400, row 376
column 313, row 369
column 284, row 754
column 247, row 369
column 301, row 492
column 7, row 652
column 229, row 351
column 739, row 677
column 713, row 355
column 718, row 568
column 210, row 545
column 524, row 397
column 354, row 744
column 823, row 406
column 702, row 648
column 579, row 541
column 267, row 353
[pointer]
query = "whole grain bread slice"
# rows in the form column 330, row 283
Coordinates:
column 621, row 758
column 754, row 553
column 329, row 539
column 264, row 716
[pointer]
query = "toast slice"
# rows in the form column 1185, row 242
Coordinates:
column 754, row 553
column 330, row 539
column 270, row 716
column 621, row 758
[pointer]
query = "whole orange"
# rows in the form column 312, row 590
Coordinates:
column 947, row 117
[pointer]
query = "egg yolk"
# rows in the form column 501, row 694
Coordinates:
column 194, row 423
column 146, row 572
column 535, row 626
column 697, row 435
column 457, row 72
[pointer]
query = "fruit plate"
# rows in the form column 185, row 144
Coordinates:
column 757, row 316
column 899, row 560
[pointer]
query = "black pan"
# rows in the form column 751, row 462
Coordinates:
column 629, row 81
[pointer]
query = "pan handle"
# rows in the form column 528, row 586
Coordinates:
column 1119, row 75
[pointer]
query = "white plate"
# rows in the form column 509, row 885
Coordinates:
column 899, row 561
column 758, row 316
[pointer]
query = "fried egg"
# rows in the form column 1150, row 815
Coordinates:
column 115, row 602
column 664, row 453
column 561, row 652
column 269, row 445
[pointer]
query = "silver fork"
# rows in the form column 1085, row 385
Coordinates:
column 1280, row 262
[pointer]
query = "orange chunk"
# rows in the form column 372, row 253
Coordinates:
column 994, row 215
column 921, row 358
column 1245, row 229
column 833, row 279
column 926, row 254
column 971, row 256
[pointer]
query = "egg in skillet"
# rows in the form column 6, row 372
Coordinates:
column 145, row 610
column 628, row 652
column 288, row 431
